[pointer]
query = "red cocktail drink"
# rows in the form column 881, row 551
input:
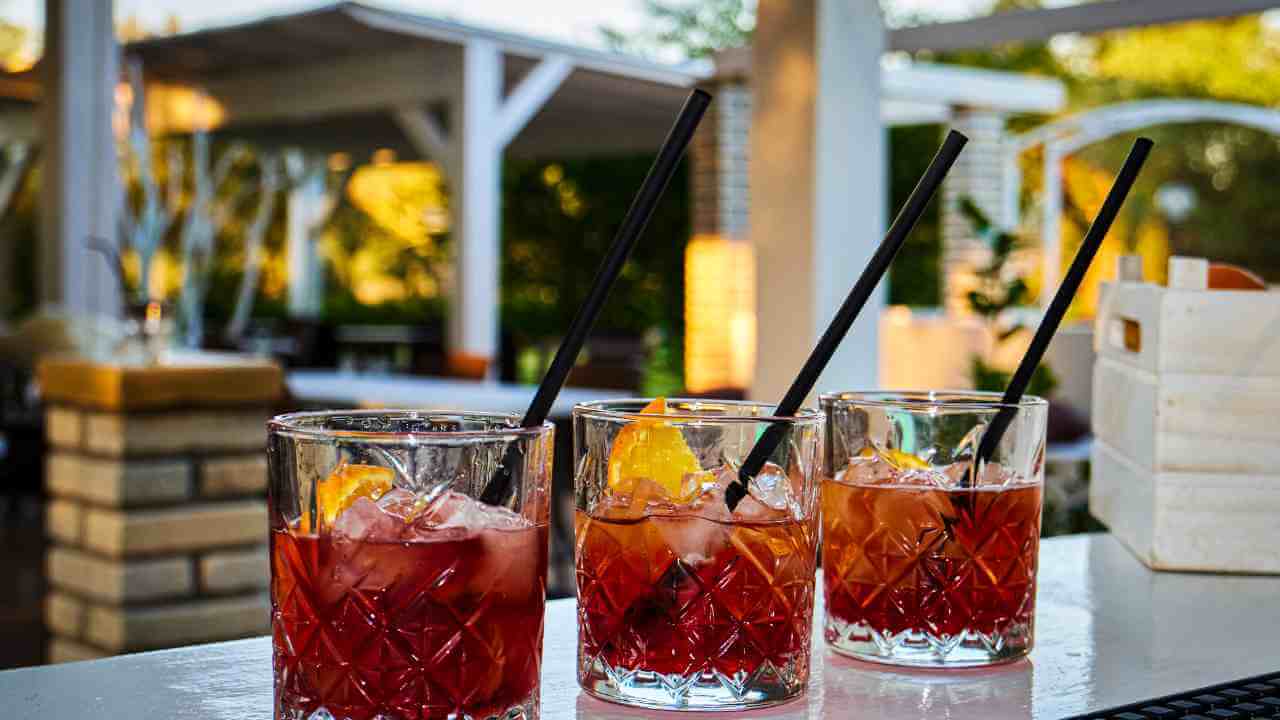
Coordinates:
column 924, row 561
column 684, row 603
column 930, row 568
column 396, row 594
column 426, row 628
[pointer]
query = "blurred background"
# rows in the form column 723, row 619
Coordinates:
column 405, row 203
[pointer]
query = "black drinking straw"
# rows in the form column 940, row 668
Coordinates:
column 633, row 225
column 848, row 312
column 1062, row 300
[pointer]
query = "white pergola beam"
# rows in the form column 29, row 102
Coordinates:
column 894, row 113
column 1040, row 24
column 950, row 85
column 610, row 63
column 427, row 136
column 533, row 92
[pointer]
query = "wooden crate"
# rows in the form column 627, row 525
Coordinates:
column 1186, row 416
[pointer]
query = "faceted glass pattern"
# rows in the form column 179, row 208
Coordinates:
column 419, row 603
column 687, row 606
column 927, row 564
column 672, row 628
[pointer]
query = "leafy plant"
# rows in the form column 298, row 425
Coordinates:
column 999, row 291
column 693, row 29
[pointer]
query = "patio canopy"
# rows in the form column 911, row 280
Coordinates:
column 347, row 74
column 304, row 78
column 351, row 77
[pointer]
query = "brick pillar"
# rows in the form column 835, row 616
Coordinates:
column 719, row 153
column 719, row 262
column 978, row 174
column 156, row 518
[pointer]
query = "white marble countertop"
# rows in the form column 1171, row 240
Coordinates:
column 1109, row 632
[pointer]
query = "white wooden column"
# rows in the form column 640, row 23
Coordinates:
column 306, row 202
column 473, row 309
column 819, row 181
column 1051, row 223
column 484, row 120
column 79, row 197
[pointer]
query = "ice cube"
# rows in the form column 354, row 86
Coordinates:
column 508, row 561
column 695, row 540
column 710, row 502
column 770, row 498
column 923, row 478
column 867, row 469
column 649, row 497
column 366, row 522
column 613, row 507
column 643, row 497
column 498, row 553
column 958, row 475
column 772, row 487
column 453, row 509
column 500, row 518
column 401, row 503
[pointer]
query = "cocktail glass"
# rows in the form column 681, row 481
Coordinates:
column 394, row 592
column 925, row 560
column 683, row 604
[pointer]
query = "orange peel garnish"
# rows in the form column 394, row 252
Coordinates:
column 897, row 458
column 655, row 450
column 346, row 484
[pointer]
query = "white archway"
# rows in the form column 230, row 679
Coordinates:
column 1063, row 137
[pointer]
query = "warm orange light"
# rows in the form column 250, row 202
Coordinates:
column 406, row 198
column 720, row 316
column 339, row 161
column 181, row 109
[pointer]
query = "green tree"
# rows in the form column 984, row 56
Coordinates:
column 692, row 28
column 559, row 219
column 1230, row 167
column 998, row 292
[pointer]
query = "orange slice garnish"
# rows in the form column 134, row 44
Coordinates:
column 655, row 450
column 345, row 485
column 897, row 458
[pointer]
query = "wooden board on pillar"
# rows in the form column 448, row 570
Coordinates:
column 194, row 380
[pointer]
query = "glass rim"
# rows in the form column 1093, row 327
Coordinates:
column 290, row 425
column 931, row 400
column 599, row 410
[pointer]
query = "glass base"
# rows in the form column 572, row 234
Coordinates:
column 769, row 685
column 920, row 649
column 527, row 710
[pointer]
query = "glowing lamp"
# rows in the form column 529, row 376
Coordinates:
column 720, row 315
